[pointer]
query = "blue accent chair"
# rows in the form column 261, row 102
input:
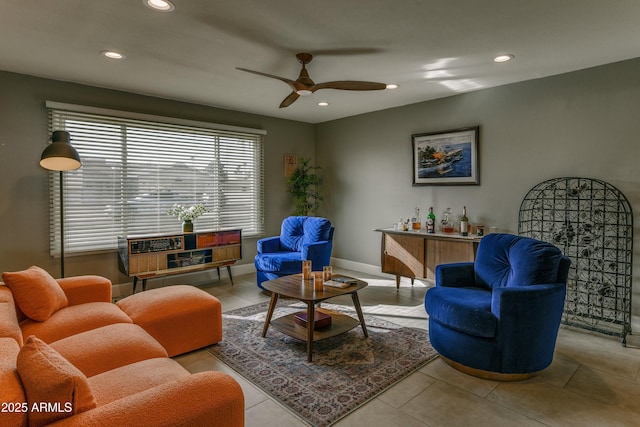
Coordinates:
column 301, row 238
column 498, row 317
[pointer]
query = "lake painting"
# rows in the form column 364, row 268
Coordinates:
column 445, row 158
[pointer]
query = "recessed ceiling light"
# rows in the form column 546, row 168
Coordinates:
column 503, row 58
column 112, row 54
column 392, row 86
column 323, row 104
column 161, row 5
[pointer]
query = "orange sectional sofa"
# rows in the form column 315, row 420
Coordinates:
column 69, row 356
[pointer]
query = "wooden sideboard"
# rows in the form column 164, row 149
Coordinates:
column 145, row 257
column 415, row 254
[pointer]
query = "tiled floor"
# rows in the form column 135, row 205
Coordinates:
column 593, row 381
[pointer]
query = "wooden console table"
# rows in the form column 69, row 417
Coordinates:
column 146, row 257
column 415, row 254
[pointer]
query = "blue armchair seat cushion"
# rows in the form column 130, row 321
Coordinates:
column 466, row 310
column 282, row 262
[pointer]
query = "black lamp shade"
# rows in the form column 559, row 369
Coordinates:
column 60, row 154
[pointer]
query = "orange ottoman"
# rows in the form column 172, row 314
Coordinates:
column 182, row 318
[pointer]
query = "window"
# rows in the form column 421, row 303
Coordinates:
column 136, row 167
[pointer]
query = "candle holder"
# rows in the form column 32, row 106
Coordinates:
column 306, row 270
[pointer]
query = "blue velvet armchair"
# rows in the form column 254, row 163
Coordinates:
column 301, row 238
column 499, row 317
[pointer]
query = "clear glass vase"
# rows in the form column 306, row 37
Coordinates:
column 187, row 226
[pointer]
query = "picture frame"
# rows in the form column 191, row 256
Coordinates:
column 446, row 157
column 290, row 164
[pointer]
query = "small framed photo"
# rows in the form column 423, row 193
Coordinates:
column 446, row 157
column 290, row 164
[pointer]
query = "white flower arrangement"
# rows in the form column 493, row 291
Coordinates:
column 187, row 214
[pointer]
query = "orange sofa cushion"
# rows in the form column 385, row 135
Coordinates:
column 73, row 320
column 49, row 378
column 87, row 288
column 100, row 350
column 211, row 399
column 181, row 317
column 11, row 391
column 37, row 294
column 9, row 326
column 140, row 376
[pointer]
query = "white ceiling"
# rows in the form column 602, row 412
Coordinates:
column 431, row 48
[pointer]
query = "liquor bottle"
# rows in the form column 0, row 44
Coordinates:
column 446, row 223
column 416, row 223
column 431, row 222
column 464, row 222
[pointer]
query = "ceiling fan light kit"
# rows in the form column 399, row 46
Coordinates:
column 304, row 86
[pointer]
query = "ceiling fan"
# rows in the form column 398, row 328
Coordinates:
column 304, row 86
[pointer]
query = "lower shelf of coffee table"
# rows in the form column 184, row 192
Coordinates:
column 340, row 323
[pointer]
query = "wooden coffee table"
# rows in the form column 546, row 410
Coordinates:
column 294, row 287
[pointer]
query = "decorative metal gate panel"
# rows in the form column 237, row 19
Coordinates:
column 592, row 223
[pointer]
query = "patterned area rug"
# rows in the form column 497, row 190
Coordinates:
column 347, row 370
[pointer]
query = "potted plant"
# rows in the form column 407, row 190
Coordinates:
column 187, row 214
column 304, row 187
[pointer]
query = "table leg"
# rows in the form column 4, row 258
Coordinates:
column 310, row 326
column 230, row 276
column 356, row 304
column 272, row 307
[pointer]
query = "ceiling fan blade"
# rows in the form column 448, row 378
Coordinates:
column 289, row 99
column 349, row 85
column 303, row 85
column 290, row 82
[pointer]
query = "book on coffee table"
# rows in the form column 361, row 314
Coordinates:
column 340, row 282
column 320, row 319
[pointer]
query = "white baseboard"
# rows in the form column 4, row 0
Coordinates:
column 635, row 324
column 124, row 289
column 374, row 270
column 361, row 267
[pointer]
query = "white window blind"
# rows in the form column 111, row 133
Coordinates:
column 134, row 170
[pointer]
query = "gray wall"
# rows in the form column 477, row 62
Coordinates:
column 24, row 191
column 582, row 124
column 576, row 124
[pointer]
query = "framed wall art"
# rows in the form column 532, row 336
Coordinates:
column 446, row 157
column 290, row 164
